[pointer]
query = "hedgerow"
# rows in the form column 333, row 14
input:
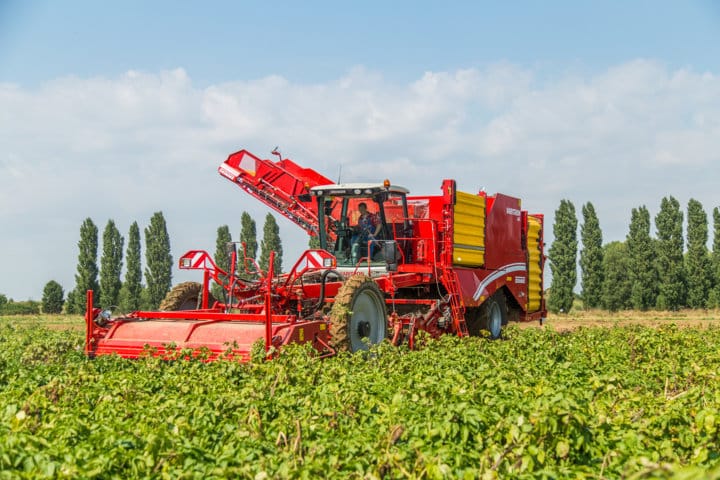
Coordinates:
column 630, row 402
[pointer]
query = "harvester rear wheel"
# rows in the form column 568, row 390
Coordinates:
column 358, row 316
column 494, row 315
column 184, row 296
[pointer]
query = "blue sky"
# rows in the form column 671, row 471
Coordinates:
column 312, row 41
column 115, row 110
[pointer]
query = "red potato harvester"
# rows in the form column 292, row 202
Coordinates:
column 455, row 263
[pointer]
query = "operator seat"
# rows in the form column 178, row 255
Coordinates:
column 360, row 248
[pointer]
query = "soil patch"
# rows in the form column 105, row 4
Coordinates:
column 597, row 318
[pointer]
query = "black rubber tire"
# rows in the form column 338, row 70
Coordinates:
column 358, row 316
column 184, row 296
column 493, row 315
column 472, row 320
column 514, row 313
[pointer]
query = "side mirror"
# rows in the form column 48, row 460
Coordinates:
column 305, row 197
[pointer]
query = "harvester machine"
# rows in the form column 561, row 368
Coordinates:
column 389, row 265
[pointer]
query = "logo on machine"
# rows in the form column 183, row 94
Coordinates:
column 512, row 211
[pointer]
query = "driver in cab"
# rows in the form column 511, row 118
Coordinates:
column 368, row 228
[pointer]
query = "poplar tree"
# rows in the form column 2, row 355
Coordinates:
column 714, row 296
column 131, row 290
column 563, row 258
column 111, row 265
column 697, row 261
column 221, row 257
column 70, row 303
column 670, row 264
column 641, row 254
column 52, row 299
column 314, row 242
column 158, row 271
column 591, row 258
column 86, row 277
column 617, row 286
column 248, row 235
column 271, row 242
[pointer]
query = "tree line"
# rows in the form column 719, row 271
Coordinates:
column 141, row 289
column 104, row 279
column 668, row 271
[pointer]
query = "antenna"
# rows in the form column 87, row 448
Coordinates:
column 339, row 173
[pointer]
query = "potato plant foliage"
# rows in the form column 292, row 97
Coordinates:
column 629, row 402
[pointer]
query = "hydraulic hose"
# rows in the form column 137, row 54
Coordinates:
column 323, row 278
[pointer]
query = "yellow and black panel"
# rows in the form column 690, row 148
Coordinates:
column 535, row 252
column 469, row 230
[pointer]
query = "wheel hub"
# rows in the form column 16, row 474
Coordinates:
column 367, row 321
column 364, row 329
column 495, row 323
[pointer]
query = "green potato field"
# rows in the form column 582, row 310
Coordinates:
column 619, row 402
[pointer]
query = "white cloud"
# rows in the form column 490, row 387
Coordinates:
column 125, row 147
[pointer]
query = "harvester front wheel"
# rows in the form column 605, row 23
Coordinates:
column 184, row 296
column 358, row 316
column 494, row 315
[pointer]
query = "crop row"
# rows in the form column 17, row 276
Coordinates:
column 608, row 402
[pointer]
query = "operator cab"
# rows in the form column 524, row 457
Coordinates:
column 353, row 238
